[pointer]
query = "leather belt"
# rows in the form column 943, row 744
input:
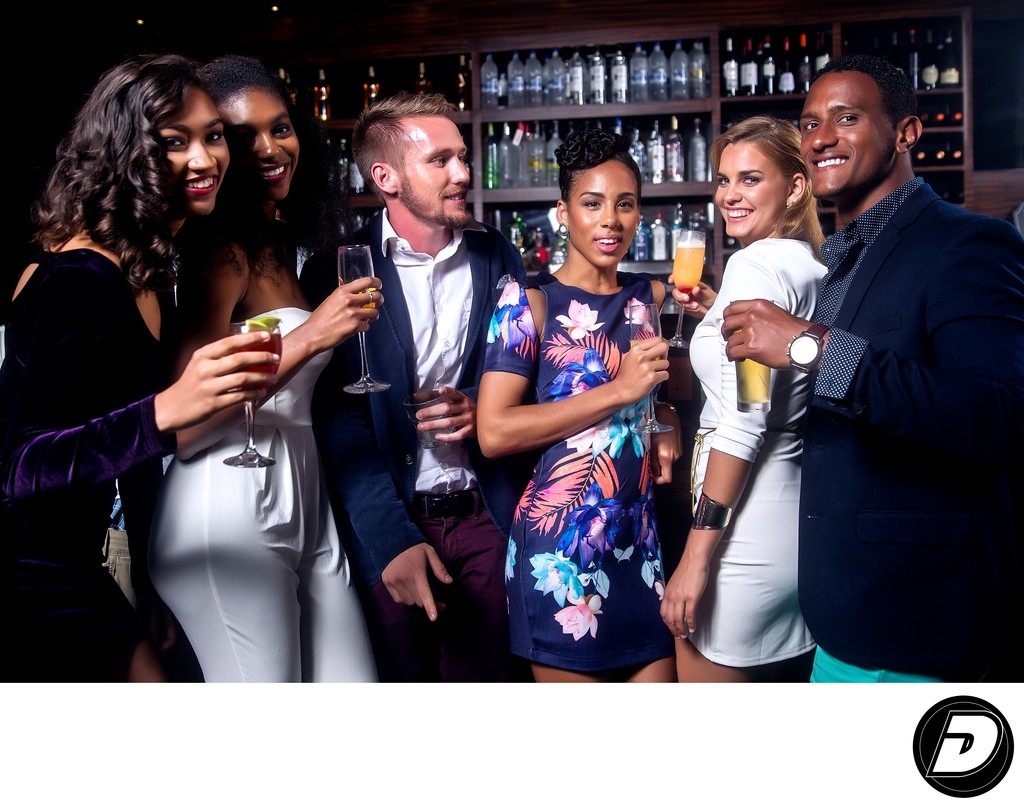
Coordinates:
column 444, row 506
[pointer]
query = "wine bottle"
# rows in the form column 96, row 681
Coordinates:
column 767, row 67
column 804, row 72
column 913, row 61
column 322, row 97
column 949, row 70
column 787, row 81
column 929, row 66
column 730, row 71
column 821, row 53
column 371, row 89
column 463, row 97
column 748, row 70
column 422, row 82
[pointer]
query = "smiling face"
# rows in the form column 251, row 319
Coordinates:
column 752, row 193
column 197, row 153
column 432, row 184
column 602, row 213
column 854, row 153
column 263, row 142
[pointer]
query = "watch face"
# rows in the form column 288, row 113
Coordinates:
column 804, row 350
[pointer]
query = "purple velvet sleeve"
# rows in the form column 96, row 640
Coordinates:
column 99, row 450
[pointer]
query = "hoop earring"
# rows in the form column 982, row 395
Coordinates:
column 563, row 231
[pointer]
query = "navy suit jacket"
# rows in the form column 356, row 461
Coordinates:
column 907, row 548
column 367, row 442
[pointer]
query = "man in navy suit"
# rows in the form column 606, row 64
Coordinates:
column 908, row 565
column 428, row 526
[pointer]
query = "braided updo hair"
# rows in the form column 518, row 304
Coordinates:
column 584, row 149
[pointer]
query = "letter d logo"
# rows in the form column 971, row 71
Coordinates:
column 963, row 746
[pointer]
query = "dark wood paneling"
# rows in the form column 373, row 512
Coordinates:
column 997, row 193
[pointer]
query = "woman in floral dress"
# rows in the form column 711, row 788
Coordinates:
column 584, row 571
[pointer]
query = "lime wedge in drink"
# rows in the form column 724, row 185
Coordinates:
column 262, row 323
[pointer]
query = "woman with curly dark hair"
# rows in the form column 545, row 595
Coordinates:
column 584, row 572
column 250, row 561
column 79, row 409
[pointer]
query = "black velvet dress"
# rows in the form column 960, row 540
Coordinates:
column 76, row 414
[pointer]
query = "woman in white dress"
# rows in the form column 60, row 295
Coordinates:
column 249, row 560
column 732, row 600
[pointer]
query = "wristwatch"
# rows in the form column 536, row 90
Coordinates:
column 805, row 349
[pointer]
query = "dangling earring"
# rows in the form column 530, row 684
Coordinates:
column 563, row 231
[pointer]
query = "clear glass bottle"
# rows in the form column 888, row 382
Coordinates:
column 697, row 168
column 656, row 154
column 577, row 83
column 489, row 83
column 641, row 246
column 619, row 77
column 659, row 238
column 550, row 147
column 598, row 78
column 679, row 73
column 508, row 158
column 555, row 84
column 658, row 67
column 536, row 156
column 534, row 80
column 638, row 76
column 675, row 163
column 516, row 72
column 638, row 152
column 700, row 77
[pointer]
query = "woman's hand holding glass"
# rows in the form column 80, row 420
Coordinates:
column 249, row 457
column 645, row 338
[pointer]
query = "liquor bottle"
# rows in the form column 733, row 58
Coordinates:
column 549, row 154
column 522, row 178
column 656, row 153
column 371, row 88
column 534, row 80
column 678, row 225
column 638, row 76
column 748, row 70
column 697, row 168
column 913, row 61
column 555, row 85
column 638, row 152
column 658, row 66
column 344, row 163
column 767, row 67
column 356, row 184
column 598, row 78
column 730, row 70
column 619, row 77
column 422, row 82
column 517, row 230
column 675, row 164
column 821, row 53
column 463, row 96
column 536, row 157
column 787, row 81
column 641, row 247
column 659, row 238
column 286, row 80
column 616, row 127
column 929, row 64
column 700, row 77
column 516, row 72
column 489, row 83
column 679, row 73
column 949, row 70
column 322, row 97
column 804, row 71
column 492, row 161
column 577, row 70
column 509, row 157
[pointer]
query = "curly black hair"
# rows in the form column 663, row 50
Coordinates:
column 112, row 179
column 898, row 99
column 584, row 149
column 314, row 208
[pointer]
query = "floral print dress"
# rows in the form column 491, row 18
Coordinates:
column 583, row 570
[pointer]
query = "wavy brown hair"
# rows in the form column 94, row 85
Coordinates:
column 779, row 141
column 112, row 179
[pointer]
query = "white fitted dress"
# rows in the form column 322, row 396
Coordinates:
column 749, row 614
column 249, row 560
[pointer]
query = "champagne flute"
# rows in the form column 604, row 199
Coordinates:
column 354, row 262
column 644, row 323
column 249, row 457
column 687, row 268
